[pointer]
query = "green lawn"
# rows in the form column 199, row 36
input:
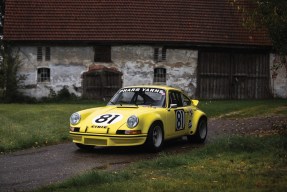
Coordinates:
column 244, row 108
column 34, row 125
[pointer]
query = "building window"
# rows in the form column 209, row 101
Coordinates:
column 43, row 75
column 159, row 75
column 159, row 54
column 102, row 54
column 47, row 54
column 39, row 54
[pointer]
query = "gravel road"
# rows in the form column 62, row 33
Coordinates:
column 28, row 169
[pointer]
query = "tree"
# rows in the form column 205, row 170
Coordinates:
column 270, row 14
column 9, row 66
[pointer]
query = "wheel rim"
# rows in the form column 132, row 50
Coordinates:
column 202, row 129
column 157, row 136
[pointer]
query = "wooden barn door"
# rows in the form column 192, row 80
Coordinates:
column 223, row 75
column 101, row 84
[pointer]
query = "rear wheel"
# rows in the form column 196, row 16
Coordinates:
column 201, row 132
column 85, row 147
column 155, row 139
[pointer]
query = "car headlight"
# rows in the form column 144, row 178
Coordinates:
column 132, row 121
column 75, row 118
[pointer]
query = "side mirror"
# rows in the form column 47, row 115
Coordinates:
column 195, row 102
column 172, row 106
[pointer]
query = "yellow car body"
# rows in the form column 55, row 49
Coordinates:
column 139, row 115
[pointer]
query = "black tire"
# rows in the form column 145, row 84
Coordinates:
column 85, row 147
column 201, row 132
column 155, row 138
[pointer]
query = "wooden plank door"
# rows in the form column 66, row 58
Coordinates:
column 226, row 75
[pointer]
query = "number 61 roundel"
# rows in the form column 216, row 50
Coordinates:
column 107, row 119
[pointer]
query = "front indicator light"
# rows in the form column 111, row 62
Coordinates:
column 133, row 132
column 74, row 129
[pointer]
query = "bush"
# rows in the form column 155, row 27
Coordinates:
column 63, row 95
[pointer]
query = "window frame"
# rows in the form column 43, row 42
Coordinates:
column 47, row 53
column 159, row 54
column 39, row 54
column 159, row 75
column 43, row 75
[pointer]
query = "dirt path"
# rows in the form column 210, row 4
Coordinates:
column 32, row 168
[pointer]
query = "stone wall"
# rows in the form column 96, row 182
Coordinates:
column 136, row 62
column 137, row 65
column 67, row 64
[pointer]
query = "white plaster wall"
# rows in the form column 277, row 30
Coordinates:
column 181, row 69
column 279, row 79
column 136, row 62
column 137, row 65
column 66, row 67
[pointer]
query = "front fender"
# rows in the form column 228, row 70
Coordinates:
column 147, row 120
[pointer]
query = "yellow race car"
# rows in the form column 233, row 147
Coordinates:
column 140, row 115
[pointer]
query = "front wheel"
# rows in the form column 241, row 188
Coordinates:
column 155, row 138
column 201, row 132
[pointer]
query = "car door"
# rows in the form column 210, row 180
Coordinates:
column 179, row 116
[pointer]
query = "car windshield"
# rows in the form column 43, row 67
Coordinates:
column 139, row 96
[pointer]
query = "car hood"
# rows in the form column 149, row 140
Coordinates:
column 109, row 119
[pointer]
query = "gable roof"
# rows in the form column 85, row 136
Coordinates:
column 178, row 21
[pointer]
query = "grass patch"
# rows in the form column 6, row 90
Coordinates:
column 34, row 125
column 230, row 164
column 243, row 108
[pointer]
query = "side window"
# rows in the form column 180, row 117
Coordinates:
column 186, row 100
column 175, row 98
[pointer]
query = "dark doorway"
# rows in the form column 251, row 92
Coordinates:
column 101, row 83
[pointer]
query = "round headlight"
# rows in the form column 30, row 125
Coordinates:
column 132, row 121
column 75, row 118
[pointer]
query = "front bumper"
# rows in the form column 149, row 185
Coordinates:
column 108, row 140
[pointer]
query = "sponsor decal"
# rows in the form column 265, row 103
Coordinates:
column 189, row 124
column 152, row 90
column 99, row 127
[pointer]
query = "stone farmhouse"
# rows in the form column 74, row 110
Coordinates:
column 94, row 47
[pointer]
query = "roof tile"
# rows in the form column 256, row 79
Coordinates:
column 186, row 21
